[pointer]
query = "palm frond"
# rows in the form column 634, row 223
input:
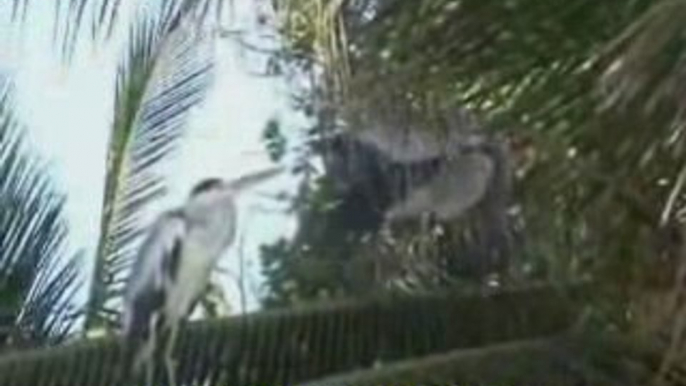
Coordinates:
column 645, row 62
column 49, row 313
column 644, row 71
column 104, row 15
column 37, row 279
column 19, row 8
column 164, row 74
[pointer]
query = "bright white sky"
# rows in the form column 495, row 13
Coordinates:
column 68, row 111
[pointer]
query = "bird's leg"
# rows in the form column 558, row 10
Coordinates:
column 169, row 354
column 149, row 372
column 150, row 360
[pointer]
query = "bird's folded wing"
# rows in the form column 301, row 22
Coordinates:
column 156, row 262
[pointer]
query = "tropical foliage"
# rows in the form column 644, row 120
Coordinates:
column 587, row 94
column 556, row 79
column 164, row 74
column 38, row 278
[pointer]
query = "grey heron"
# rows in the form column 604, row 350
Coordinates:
column 174, row 263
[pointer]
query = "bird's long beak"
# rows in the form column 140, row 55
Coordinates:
column 249, row 180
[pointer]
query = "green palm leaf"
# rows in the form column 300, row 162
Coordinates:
column 37, row 278
column 103, row 15
column 164, row 74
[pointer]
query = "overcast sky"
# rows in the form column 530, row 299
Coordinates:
column 68, row 111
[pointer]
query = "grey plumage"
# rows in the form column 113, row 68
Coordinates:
column 160, row 251
column 174, row 263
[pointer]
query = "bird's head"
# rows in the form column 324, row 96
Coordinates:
column 206, row 186
column 236, row 185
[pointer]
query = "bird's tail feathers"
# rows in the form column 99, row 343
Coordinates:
column 252, row 179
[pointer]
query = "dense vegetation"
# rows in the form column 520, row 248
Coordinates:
column 586, row 96
column 589, row 110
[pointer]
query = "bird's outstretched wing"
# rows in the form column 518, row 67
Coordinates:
column 156, row 264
